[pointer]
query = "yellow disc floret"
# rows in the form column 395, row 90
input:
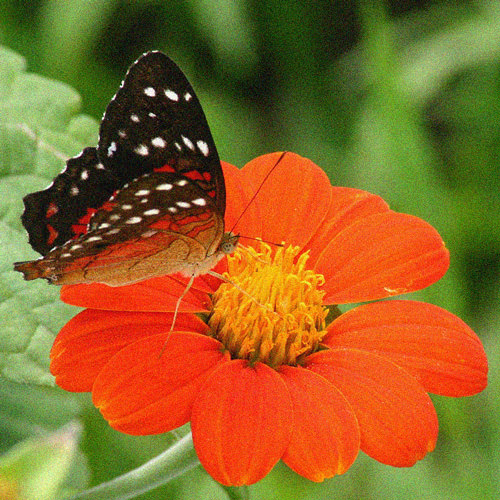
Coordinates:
column 271, row 309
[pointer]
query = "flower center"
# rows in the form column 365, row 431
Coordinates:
column 272, row 310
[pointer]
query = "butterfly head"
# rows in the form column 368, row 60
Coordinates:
column 228, row 243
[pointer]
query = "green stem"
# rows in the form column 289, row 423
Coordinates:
column 177, row 460
column 237, row 492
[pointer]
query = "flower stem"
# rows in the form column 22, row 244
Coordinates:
column 177, row 460
column 237, row 492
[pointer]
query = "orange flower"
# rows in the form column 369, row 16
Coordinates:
column 262, row 377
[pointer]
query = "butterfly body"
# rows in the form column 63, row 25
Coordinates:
column 148, row 201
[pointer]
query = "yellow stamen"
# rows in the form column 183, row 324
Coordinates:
column 282, row 318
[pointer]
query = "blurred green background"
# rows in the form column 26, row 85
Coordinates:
column 398, row 98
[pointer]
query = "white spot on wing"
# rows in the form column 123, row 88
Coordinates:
column 187, row 142
column 67, row 254
column 134, row 118
column 152, row 115
column 164, row 187
column 133, row 220
column 75, row 247
column 153, row 211
column 100, row 166
column 172, row 209
column 122, row 134
column 178, row 146
column 201, row 202
column 142, row 192
column 114, row 216
column 183, row 204
column 203, row 147
column 74, row 191
column 104, row 225
column 84, row 175
column 182, row 182
column 114, row 231
column 173, row 96
column 112, row 148
column 142, row 150
column 126, row 207
column 187, row 96
column 94, row 238
column 158, row 142
column 150, row 91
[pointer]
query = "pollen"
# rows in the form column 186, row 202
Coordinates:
column 270, row 310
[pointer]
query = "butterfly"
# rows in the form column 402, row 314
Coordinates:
column 149, row 200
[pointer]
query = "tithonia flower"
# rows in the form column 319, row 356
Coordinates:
column 266, row 371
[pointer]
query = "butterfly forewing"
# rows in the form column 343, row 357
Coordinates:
column 155, row 119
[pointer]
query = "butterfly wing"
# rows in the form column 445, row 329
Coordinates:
column 62, row 211
column 132, row 238
column 153, row 133
column 154, row 120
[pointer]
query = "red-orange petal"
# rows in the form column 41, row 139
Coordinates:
column 396, row 417
column 152, row 295
column 149, row 387
column 241, row 422
column 325, row 438
column 293, row 200
column 347, row 207
column 382, row 255
column 87, row 342
column 435, row 346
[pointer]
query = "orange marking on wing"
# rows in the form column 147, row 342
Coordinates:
column 198, row 229
column 211, row 194
column 108, row 206
column 194, row 175
column 193, row 218
column 165, row 168
column 166, row 224
column 51, row 210
column 207, row 176
column 176, row 225
column 53, row 234
column 81, row 226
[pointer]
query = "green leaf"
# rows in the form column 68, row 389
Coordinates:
column 39, row 130
column 36, row 468
column 27, row 410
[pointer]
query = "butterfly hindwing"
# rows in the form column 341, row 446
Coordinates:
column 61, row 211
column 135, row 236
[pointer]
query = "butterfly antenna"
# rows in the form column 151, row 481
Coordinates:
column 258, row 189
column 260, row 239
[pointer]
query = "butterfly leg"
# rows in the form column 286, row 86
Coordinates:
column 179, row 300
column 176, row 311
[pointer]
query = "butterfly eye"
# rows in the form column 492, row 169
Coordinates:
column 229, row 243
